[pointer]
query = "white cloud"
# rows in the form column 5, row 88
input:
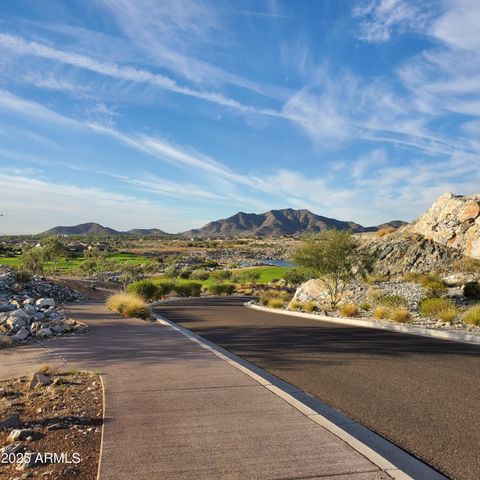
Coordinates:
column 32, row 205
column 380, row 18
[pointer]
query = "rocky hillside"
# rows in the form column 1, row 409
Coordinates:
column 401, row 252
column 454, row 222
column 276, row 223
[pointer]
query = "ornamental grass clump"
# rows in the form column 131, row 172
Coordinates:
column 472, row 315
column 348, row 310
column 400, row 315
column 221, row 289
column 380, row 312
column 128, row 305
column 276, row 303
column 434, row 306
column 310, row 307
column 267, row 296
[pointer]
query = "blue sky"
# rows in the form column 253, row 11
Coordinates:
column 172, row 113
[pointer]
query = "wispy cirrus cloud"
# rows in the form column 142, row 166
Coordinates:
column 379, row 19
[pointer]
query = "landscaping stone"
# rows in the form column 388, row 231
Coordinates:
column 39, row 379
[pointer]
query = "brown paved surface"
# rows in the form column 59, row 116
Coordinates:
column 421, row 393
column 176, row 411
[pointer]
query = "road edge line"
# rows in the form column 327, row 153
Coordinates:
column 287, row 392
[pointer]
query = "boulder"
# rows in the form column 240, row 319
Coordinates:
column 21, row 335
column 16, row 323
column 44, row 333
column 7, row 307
column 45, row 302
column 453, row 221
column 11, row 449
column 313, row 289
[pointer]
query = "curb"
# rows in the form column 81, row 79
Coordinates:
column 100, row 453
column 378, row 325
column 388, row 457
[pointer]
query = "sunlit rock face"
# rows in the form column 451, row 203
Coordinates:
column 453, row 221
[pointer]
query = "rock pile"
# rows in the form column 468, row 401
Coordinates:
column 453, row 221
column 24, row 316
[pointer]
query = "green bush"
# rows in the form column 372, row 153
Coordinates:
column 188, row 289
column 200, row 274
column 221, row 288
column 432, row 307
column 392, row 301
column 295, row 276
column 164, row 288
column 145, row 289
column 23, row 277
column 185, row 273
column 472, row 290
column 472, row 315
column 222, row 275
column 171, row 271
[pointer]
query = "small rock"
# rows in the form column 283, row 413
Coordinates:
column 13, row 421
column 11, row 449
column 39, row 379
column 45, row 302
column 20, row 434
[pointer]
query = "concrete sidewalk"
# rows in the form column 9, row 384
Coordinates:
column 176, row 411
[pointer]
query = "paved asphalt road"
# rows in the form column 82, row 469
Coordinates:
column 422, row 394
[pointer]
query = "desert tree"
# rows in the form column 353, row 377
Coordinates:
column 335, row 258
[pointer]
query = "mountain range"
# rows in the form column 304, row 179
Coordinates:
column 272, row 223
column 93, row 228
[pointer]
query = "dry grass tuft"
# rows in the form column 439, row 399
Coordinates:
column 472, row 315
column 128, row 305
column 400, row 315
column 349, row 310
column 385, row 231
column 380, row 312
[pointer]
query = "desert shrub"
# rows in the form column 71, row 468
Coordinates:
column 185, row 273
column 400, row 315
column 467, row 265
column 310, row 307
column 128, row 305
column 412, row 277
column 384, row 231
column 164, row 288
column 188, row 289
column 472, row 290
column 392, row 301
column 348, row 310
column 221, row 288
column 380, row 312
column 31, row 260
column 295, row 276
column 472, row 315
column 364, row 306
column 448, row 315
column 144, row 288
column 200, row 274
column 433, row 306
column 222, row 275
column 248, row 276
column 276, row 303
column 171, row 271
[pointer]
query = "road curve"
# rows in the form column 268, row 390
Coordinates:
column 420, row 393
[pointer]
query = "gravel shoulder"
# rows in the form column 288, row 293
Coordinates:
column 58, row 431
